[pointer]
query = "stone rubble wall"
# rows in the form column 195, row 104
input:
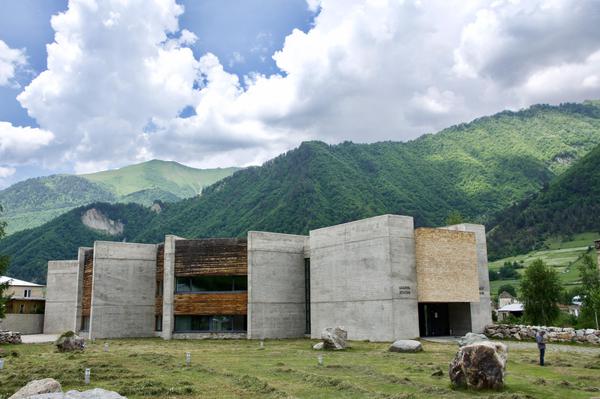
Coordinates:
column 9, row 337
column 553, row 334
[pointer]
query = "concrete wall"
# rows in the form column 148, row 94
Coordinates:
column 446, row 266
column 168, row 317
column 363, row 278
column 276, row 289
column 481, row 311
column 23, row 323
column 123, row 290
column 61, row 297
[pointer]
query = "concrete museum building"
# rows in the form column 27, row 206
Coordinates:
column 380, row 278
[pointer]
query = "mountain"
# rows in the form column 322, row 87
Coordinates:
column 32, row 202
column 30, row 250
column 568, row 205
column 478, row 168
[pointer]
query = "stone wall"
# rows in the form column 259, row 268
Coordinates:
column 553, row 334
column 9, row 337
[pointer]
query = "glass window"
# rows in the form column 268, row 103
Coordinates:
column 212, row 284
column 158, row 323
column 218, row 323
column 85, row 323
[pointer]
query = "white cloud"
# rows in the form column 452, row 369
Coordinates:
column 120, row 72
column 18, row 144
column 6, row 172
column 10, row 60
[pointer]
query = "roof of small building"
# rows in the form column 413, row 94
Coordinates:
column 513, row 307
column 14, row 281
column 505, row 294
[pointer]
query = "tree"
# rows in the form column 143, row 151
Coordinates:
column 540, row 293
column 3, row 267
column 508, row 288
column 454, row 217
column 590, row 281
column 508, row 271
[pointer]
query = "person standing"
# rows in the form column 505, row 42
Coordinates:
column 540, row 338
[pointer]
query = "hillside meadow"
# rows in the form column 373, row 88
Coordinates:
column 152, row 368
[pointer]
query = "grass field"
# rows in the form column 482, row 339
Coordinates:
column 564, row 256
column 152, row 368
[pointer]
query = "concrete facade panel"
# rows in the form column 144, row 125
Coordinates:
column 123, row 294
column 23, row 323
column 276, row 289
column 61, row 297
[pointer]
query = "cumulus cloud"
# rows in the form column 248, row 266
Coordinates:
column 6, row 172
column 120, row 73
column 18, row 144
column 10, row 60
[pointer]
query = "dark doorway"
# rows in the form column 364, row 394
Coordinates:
column 433, row 319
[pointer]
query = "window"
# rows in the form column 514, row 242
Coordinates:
column 307, row 294
column 212, row 284
column 159, row 288
column 21, row 308
column 85, row 323
column 210, row 323
column 27, row 294
column 158, row 323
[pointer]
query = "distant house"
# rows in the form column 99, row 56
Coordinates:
column 505, row 299
column 25, row 309
column 515, row 309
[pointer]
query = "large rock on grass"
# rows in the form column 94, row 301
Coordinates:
column 406, row 346
column 480, row 366
column 334, row 338
column 36, row 387
column 97, row 393
column 471, row 338
column 70, row 342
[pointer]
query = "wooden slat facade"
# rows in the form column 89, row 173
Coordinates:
column 160, row 272
column 211, row 257
column 235, row 303
column 88, row 273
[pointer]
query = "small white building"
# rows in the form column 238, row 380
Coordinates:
column 516, row 309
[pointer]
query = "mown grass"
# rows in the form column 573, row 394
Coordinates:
column 152, row 368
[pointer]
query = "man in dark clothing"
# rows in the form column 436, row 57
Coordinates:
column 540, row 338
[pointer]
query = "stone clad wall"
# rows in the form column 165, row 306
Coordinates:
column 446, row 265
column 553, row 334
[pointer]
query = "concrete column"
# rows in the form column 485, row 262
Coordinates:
column 168, row 317
column 61, row 296
column 481, row 312
column 276, row 289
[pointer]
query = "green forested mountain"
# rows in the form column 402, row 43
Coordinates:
column 33, row 202
column 568, row 205
column 478, row 169
column 30, row 250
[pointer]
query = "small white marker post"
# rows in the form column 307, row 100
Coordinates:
column 320, row 360
column 262, row 344
column 188, row 359
column 87, row 376
column 1, row 364
column 106, row 347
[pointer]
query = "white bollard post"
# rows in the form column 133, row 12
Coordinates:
column 262, row 344
column 87, row 376
column 1, row 364
column 188, row 359
column 320, row 360
column 106, row 347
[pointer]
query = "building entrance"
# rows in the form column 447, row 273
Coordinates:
column 433, row 319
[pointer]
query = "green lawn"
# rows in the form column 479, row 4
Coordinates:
column 564, row 256
column 286, row 369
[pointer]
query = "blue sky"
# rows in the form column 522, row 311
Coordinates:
column 87, row 85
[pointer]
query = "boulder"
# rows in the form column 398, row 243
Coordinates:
column 70, row 342
column 471, row 338
column 36, row 387
column 406, row 346
column 334, row 338
column 96, row 393
column 318, row 346
column 480, row 366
